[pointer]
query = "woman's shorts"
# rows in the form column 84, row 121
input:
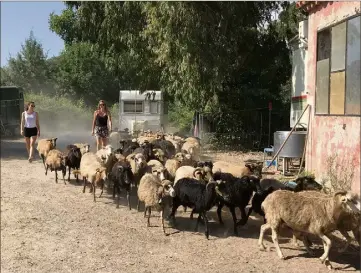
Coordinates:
column 101, row 131
column 30, row 132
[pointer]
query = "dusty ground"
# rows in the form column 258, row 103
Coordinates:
column 49, row 227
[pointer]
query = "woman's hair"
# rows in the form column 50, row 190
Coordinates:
column 26, row 106
column 105, row 106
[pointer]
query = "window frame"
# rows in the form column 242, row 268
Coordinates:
column 133, row 101
column 330, row 68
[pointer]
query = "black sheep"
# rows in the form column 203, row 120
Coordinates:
column 72, row 159
column 191, row 193
column 147, row 150
column 235, row 192
column 128, row 146
column 122, row 177
column 257, row 200
column 166, row 146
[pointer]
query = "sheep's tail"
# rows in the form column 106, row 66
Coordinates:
column 76, row 172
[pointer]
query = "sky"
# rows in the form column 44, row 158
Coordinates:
column 19, row 18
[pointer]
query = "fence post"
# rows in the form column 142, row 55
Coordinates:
column 269, row 123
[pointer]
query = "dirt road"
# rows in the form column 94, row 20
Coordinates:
column 49, row 227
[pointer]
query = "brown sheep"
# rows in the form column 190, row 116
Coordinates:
column 173, row 164
column 154, row 193
column 84, row 147
column 310, row 214
column 44, row 146
column 55, row 160
column 237, row 170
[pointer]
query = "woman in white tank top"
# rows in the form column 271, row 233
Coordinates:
column 30, row 128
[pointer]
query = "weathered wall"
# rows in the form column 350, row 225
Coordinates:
column 330, row 134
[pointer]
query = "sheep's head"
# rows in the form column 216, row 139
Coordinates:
column 198, row 173
column 307, row 183
column 220, row 188
column 125, row 173
column 52, row 142
column 159, row 154
column 166, row 189
column 76, row 151
column 349, row 201
column 139, row 160
column 255, row 168
column 160, row 172
column 86, row 148
column 187, row 156
column 179, row 157
column 207, row 167
column 256, row 183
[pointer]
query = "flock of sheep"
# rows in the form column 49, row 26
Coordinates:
column 167, row 172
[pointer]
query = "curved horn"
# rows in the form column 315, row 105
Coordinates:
column 196, row 170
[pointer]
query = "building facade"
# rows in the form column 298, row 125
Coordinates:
column 333, row 75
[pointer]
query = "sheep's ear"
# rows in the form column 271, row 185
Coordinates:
column 55, row 138
column 97, row 170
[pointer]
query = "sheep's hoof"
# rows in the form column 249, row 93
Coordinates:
column 262, row 247
column 328, row 265
column 282, row 257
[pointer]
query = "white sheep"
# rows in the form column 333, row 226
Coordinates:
column 156, row 167
column 190, row 172
column 154, row 192
column 238, row 170
column 93, row 170
column 138, row 165
column 55, row 161
column 192, row 146
column 44, row 147
column 310, row 214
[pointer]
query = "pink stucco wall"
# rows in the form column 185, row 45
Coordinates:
column 330, row 134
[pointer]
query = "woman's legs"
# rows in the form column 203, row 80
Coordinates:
column 104, row 141
column 32, row 143
column 27, row 144
column 98, row 143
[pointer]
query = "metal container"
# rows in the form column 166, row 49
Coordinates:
column 294, row 145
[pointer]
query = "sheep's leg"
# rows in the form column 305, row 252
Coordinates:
column 348, row 241
column 206, row 224
column 275, row 241
column 46, row 170
column 307, row 243
column 148, row 221
column 138, row 205
column 118, row 193
column 250, row 211
column 327, row 245
column 145, row 211
column 84, row 182
column 93, row 187
column 102, row 188
column 56, row 176
column 185, row 209
column 128, row 199
column 43, row 158
column 198, row 220
column 162, row 219
column 69, row 174
column 64, row 174
column 233, row 212
column 244, row 219
column 295, row 240
column 115, row 188
column 219, row 213
column 261, row 235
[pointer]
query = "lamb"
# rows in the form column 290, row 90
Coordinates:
column 84, row 147
column 44, row 147
column 122, row 177
column 154, row 193
column 155, row 167
column 310, row 214
column 189, row 192
column 93, row 170
column 238, row 171
column 236, row 192
column 72, row 159
column 55, row 160
column 172, row 165
column 348, row 222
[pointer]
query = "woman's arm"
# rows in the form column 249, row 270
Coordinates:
column 110, row 121
column 22, row 124
column 93, row 126
column 37, row 123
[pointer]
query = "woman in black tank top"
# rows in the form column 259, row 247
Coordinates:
column 101, row 120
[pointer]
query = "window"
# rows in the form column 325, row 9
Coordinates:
column 133, row 107
column 153, row 107
column 338, row 69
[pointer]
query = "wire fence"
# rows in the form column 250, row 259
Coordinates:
column 250, row 130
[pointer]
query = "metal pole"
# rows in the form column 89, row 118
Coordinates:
column 306, row 141
column 284, row 142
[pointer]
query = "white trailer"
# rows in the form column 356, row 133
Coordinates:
column 142, row 111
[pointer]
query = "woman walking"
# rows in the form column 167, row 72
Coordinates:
column 30, row 128
column 101, row 120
